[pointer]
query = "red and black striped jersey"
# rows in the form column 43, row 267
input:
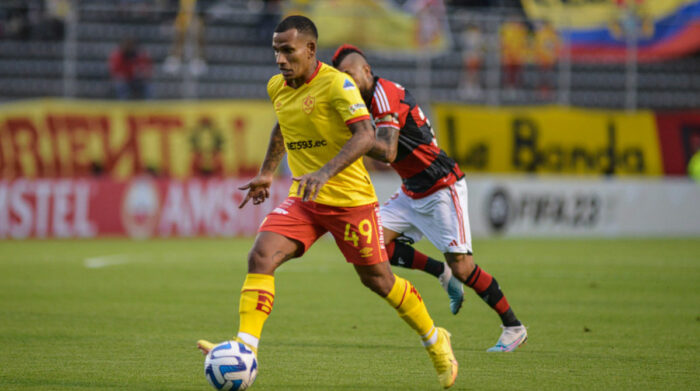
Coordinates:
column 423, row 166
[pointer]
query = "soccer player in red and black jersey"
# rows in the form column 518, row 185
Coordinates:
column 432, row 200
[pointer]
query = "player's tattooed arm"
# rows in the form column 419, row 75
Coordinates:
column 275, row 152
column 259, row 187
column 359, row 144
column 385, row 144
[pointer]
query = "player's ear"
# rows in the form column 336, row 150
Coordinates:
column 311, row 45
column 368, row 70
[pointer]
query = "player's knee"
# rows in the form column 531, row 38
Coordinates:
column 260, row 261
column 462, row 265
column 377, row 284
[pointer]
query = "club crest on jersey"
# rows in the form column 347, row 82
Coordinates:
column 308, row 104
column 348, row 85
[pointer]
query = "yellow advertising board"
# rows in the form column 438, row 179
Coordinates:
column 58, row 138
column 549, row 139
column 63, row 138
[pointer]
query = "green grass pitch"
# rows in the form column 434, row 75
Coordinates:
column 120, row 314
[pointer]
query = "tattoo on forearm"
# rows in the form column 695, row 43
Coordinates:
column 385, row 143
column 384, row 135
column 275, row 151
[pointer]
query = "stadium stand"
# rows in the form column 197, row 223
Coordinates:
column 240, row 62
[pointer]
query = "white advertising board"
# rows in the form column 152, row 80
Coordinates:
column 566, row 206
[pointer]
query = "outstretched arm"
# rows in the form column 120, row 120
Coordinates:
column 360, row 143
column 275, row 152
column 259, row 187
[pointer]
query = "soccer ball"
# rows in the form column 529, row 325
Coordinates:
column 231, row 366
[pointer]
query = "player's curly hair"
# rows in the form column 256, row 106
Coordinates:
column 343, row 51
column 301, row 23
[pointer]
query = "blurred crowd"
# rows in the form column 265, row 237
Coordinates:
column 131, row 66
column 45, row 19
column 520, row 44
column 34, row 19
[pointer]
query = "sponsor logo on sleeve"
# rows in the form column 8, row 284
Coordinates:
column 357, row 106
column 348, row 85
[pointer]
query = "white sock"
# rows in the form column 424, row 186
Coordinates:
column 249, row 339
column 430, row 338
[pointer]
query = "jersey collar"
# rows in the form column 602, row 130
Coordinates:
column 313, row 75
column 318, row 68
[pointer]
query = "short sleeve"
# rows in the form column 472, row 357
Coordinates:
column 386, row 105
column 347, row 100
column 273, row 86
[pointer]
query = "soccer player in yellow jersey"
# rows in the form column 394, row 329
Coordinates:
column 324, row 126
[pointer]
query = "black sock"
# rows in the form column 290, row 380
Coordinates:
column 490, row 292
column 401, row 254
column 508, row 318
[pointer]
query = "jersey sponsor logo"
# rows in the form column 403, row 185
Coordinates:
column 348, row 85
column 356, row 106
column 306, row 144
column 278, row 105
column 307, row 105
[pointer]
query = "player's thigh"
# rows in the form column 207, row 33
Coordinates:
column 443, row 218
column 390, row 235
column 396, row 215
column 291, row 220
column 270, row 250
column 357, row 232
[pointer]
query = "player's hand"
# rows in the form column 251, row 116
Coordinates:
column 310, row 184
column 258, row 189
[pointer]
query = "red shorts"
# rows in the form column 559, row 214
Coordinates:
column 357, row 230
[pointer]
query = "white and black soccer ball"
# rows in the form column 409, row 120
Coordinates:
column 231, row 366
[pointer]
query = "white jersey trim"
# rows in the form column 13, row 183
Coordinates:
column 381, row 99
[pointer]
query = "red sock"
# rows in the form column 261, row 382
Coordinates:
column 419, row 260
column 487, row 287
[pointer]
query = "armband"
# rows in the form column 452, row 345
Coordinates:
column 391, row 120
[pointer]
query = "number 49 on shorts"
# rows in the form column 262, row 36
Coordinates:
column 364, row 228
